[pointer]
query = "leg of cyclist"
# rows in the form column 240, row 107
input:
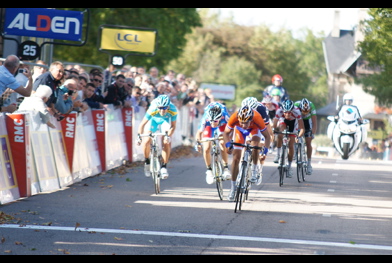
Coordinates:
column 225, row 156
column 166, row 146
column 293, row 127
column 146, row 127
column 255, row 141
column 309, row 149
column 279, row 126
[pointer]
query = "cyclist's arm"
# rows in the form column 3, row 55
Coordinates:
column 172, row 128
column 301, row 127
column 141, row 126
column 314, row 124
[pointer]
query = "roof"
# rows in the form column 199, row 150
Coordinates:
column 330, row 109
column 339, row 52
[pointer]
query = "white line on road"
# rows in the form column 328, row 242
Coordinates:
column 206, row 236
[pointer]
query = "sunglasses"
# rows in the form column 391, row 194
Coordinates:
column 163, row 108
column 215, row 121
column 100, row 81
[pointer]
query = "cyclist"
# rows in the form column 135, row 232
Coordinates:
column 288, row 116
column 277, row 81
column 164, row 113
column 309, row 117
column 244, row 125
column 214, row 120
column 272, row 106
column 254, row 104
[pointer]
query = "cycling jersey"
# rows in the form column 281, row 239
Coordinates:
column 156, row 119
column 256, row 122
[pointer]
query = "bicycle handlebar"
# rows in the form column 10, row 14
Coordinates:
column 285, row 132
column 211, row 139
column 152, row 134
column 247, row 145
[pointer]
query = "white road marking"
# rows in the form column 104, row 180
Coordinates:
column 206, row 236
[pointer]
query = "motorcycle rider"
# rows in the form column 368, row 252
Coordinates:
column 347, row 103
column 277, row 81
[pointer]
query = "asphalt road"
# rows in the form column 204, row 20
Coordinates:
column 343, row 208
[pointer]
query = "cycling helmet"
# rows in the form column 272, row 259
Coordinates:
column 162, row 101
column 267, row 99
column 287, row 105
column 305, row 105
column 245, row 114
column 214, row 113
column 277, row 77
column 276, row 92
column 251, row 102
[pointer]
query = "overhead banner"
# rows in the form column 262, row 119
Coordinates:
column 44, row 23
column 128, row 39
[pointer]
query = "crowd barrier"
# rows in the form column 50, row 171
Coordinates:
column 39, row 159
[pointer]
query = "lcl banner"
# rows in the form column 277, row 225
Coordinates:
column 44, row 23
column 128, row 39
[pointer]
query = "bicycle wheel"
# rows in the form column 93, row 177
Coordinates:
column 240, row 187
column 217, row 170
column 282, row 169
column 300, row 166
column 156, row 177
column 304, row 164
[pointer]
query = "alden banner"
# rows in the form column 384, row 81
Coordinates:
column 44, row 23
column 131, row 40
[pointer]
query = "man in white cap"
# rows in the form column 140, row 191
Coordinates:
column 36, row 102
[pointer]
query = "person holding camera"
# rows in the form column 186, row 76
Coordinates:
column 64, row 103
column 9, row 84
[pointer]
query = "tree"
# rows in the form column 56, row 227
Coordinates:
column 172, row 24
column 377, row 50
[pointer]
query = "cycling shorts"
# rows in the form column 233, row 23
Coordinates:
column 241, row 135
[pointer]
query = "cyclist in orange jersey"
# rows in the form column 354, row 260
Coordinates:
column 244, row 126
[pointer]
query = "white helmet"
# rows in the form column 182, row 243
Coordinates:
column 348, row 96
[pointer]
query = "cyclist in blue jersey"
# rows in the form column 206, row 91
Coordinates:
column 213, row 122
column 161, row 113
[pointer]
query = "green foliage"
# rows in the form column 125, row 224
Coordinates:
column 172, row 24
column 377, row 49
column 224, row 52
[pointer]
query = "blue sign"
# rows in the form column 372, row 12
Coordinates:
column 44, row 23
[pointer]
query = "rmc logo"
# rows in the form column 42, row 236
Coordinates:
column 42, row 22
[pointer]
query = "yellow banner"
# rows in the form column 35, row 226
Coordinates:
column 128, row 40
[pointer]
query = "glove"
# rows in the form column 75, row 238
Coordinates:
column 138, row 140
column 229, row 145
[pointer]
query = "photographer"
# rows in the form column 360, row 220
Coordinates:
column 64, row 103
column 9, row 84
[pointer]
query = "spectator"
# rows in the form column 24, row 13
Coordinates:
column 159, row 89
column 37, row 70
column 88, row 97
column 37, row 103
column 97, row 81
column 116, row 92
column 52, row 78
column 64, row 103
column 154, row 75
column 10, row 97
column 141, row 70
column 8, row 81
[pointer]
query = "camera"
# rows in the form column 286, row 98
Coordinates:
column 21, row 70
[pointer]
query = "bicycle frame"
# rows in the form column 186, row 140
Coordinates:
column 216, row 163
column 243, row 184
column 155, row 163
column 283, row 167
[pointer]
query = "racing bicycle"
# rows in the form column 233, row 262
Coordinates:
column 283, row 162
column 155, row 160
column 243, row 183
column 302, row 161
column 216, row 163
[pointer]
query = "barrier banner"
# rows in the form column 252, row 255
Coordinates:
column 99, row 127
column 127, row 122
column 68, row 126
column 9, row 190
column 18, row 138
column 115, row 146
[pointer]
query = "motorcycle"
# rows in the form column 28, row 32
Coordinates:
column 346, row 132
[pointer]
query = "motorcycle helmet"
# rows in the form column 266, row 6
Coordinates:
column 245, row 114
column 349, row 97
column 287, row 105
column 251, row 102
column 276, row 92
